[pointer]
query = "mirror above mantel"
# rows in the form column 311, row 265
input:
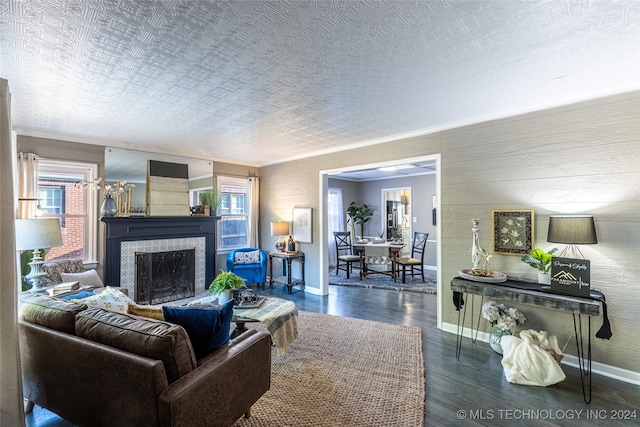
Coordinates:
column 130, row 166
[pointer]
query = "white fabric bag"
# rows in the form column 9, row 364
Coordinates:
column 529, row 360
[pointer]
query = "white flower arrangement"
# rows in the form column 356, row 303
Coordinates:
column 501, row 316
column 110, row 188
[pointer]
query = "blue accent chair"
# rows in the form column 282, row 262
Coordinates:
column 251, row 273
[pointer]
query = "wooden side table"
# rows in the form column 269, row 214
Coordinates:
column 286, row 278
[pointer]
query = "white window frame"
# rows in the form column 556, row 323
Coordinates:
column 88, row 171
column 239, row 182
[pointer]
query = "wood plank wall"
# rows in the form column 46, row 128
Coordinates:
column 579, row 158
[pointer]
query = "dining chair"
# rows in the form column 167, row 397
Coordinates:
column 416, row 260
column 344, row 252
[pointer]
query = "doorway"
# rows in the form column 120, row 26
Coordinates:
column 323, row 223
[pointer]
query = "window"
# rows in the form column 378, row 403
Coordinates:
column 234, row 213
column 59, row 196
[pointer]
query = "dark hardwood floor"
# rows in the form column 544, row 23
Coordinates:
column 471, row 391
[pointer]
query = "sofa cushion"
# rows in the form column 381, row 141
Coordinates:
column 51, row 313
column 207, row 326
column 249, row 257
column 145, row 337
column 109, row 299
column 89, row 277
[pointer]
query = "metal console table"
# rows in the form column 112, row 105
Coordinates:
column 538, row 295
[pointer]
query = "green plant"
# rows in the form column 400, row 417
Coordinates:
column 360, row 214
column 211, row 198
column 226, row 280
column 539, row 259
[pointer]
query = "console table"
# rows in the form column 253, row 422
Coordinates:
column 532, row 294
column 286, row 278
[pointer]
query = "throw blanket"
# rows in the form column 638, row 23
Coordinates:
column 532, row 359
column 279, row 316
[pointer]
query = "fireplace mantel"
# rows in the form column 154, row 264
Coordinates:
column 121, row 229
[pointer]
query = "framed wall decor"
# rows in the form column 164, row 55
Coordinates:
column 512, row 232
column 302, row 224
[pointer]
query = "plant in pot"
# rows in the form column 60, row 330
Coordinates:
column 360, row 214
column 224, row 284
column 541, row 261
column 210, row 198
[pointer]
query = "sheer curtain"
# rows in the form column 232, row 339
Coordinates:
column 254, row 211
column 335, row 212
column 27, row 173
column 11, row 402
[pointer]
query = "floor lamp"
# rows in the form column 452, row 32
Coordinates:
column 572, row 230
column 37, row 234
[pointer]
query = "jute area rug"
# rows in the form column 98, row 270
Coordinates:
column 345, row 372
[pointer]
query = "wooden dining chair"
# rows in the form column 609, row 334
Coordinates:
column 416, row 260
column 345, row 257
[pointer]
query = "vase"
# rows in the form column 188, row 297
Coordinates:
column 476, row 252
column 108, row 208
column 544, row 278
column 495, row 337
column 224, row 297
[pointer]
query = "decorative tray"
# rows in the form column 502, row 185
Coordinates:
column 251, row 304
column 496, row 277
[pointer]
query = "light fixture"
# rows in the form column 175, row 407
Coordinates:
column 572, row 230
column 37, row 234
column 280, row 229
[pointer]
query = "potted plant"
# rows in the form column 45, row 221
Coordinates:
column 540, row 260
column 224, row 284
column 360, row 214
column 210, row 198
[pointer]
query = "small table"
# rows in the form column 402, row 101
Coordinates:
column 279, row 316
column 537, row 295
column 286, row 278
column 394, row 249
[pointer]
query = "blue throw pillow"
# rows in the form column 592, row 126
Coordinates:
column 79, row 295
column 207, row 326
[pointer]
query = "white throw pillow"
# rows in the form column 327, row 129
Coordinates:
column 250, row 257
column 110, row 299
column 89, row 277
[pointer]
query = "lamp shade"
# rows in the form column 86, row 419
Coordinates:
column 279, row 228
column 572, row 229
column 38, row 233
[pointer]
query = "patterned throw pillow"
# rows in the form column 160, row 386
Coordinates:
column 251, row 257
column 110, row 299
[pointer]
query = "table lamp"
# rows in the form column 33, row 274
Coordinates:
column 280, row 229
column 572, row 230
column 37, row 234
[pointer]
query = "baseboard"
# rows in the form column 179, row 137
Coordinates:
column 598, row 368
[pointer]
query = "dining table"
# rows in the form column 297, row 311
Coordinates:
column 393, row 248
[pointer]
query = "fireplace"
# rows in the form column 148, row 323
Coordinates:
column 164, row 276
column 127, row 236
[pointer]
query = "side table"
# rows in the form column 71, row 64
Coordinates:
column 286, row 278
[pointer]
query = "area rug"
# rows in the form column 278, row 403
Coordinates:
column 381, row 281
column 345, row 372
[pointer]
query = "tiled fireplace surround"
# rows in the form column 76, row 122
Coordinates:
column 124, row 236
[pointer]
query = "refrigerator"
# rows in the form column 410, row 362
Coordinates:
column 395, row 214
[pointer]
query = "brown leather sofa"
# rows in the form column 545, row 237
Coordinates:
column 95, row 367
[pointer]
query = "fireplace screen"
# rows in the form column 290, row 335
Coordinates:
column 164, row 276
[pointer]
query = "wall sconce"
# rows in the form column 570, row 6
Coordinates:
column 37, row 234
column 572, row 230
column 280, row 229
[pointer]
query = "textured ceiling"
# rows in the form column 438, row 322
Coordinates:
column 258, row 82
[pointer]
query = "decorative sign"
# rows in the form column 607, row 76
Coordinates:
column 571, row 276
